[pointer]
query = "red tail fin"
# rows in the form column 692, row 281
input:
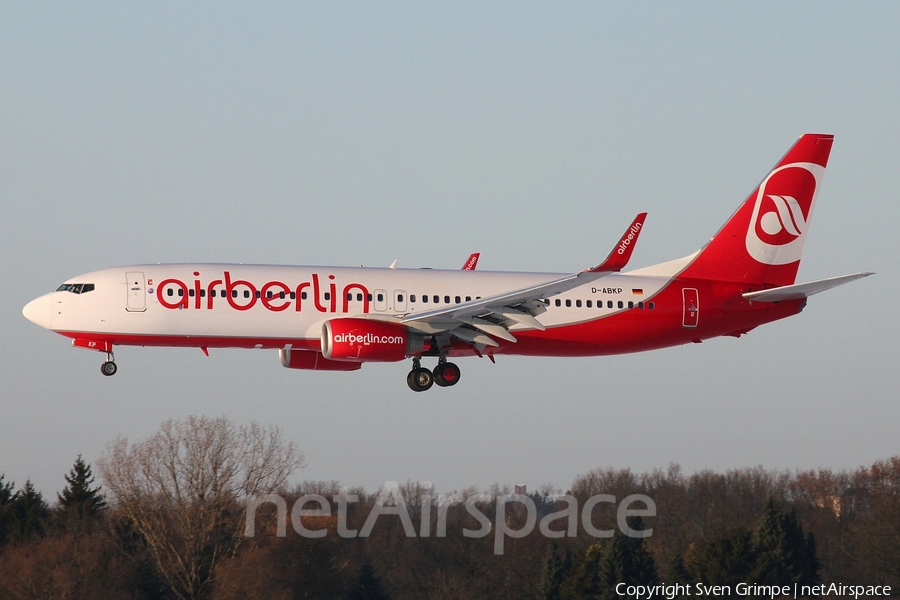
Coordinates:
column 763, row 241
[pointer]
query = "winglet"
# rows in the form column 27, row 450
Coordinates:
column 621, row 254
column 472, row 262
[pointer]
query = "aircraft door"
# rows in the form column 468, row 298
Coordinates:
column 399, row 300
column 136, row 292
column 380, row 300
column 690, row 307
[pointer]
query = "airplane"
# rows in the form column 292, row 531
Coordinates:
column 337, row 318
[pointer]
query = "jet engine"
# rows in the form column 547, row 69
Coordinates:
column 368, row 340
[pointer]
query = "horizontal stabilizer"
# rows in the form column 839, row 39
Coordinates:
column 801, row 290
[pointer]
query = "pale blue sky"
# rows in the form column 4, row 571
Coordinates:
column 359, row 133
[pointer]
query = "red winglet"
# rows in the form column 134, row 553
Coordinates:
column 621, row 254
column 471, row 262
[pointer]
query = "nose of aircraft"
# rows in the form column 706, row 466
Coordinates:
column 38, row 311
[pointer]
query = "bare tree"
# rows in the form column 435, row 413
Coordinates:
column 183, row 489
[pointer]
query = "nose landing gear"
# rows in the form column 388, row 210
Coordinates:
column 420, row 379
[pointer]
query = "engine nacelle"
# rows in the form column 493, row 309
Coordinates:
column 368, row 340
column 313, row 361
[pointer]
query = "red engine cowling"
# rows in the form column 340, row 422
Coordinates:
column 368, row 340
column 313, row 361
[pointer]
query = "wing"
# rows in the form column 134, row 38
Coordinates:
column 479, row 321
column 801, row 290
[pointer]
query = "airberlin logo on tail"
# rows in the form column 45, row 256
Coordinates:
column 787, row 218
column 629, row 237
column 781, row 213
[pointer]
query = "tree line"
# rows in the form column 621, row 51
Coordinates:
column 165, row 518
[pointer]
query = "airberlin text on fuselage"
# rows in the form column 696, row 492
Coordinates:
column 275, row 296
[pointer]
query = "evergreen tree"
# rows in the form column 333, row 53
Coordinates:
column 367, row 586
column 629, row 562
column 785, row 554
column 678, row 571
column 554, row 573
column 811, row 564
column 727, row 559
column 80, row 502
column 6, row 496
column 28, row 512
column 586, row 582
column 624, row 559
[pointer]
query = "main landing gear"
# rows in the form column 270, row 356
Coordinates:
column 420, row 379
column 109, row 368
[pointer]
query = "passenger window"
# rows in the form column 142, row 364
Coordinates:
column 468, row 298
column 180, row 292
column 589, row 304
column 234, row 293
column 558, row 302
column 191, row 293
column 412, row 297
column 258, row 294
column 641, row 305
column 568, row 303
column 424, row 297
column 458, row 299
column 170, row 292
column 203, row 293
column 578, row 304
column 399, row 297
column 281, row 295
column 446, row 299
column 630, row 304
column 303, row 295
column 381, row 297
column 651, row 305
column 436, row 298
column 369, row 297
column 349, row 296
column 328, row 295
column 621, row 304
column 246, row 293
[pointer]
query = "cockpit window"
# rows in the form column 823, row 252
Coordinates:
column 76, row 288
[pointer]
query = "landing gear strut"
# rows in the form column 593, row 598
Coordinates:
column 109, row 368
column 420, row 379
